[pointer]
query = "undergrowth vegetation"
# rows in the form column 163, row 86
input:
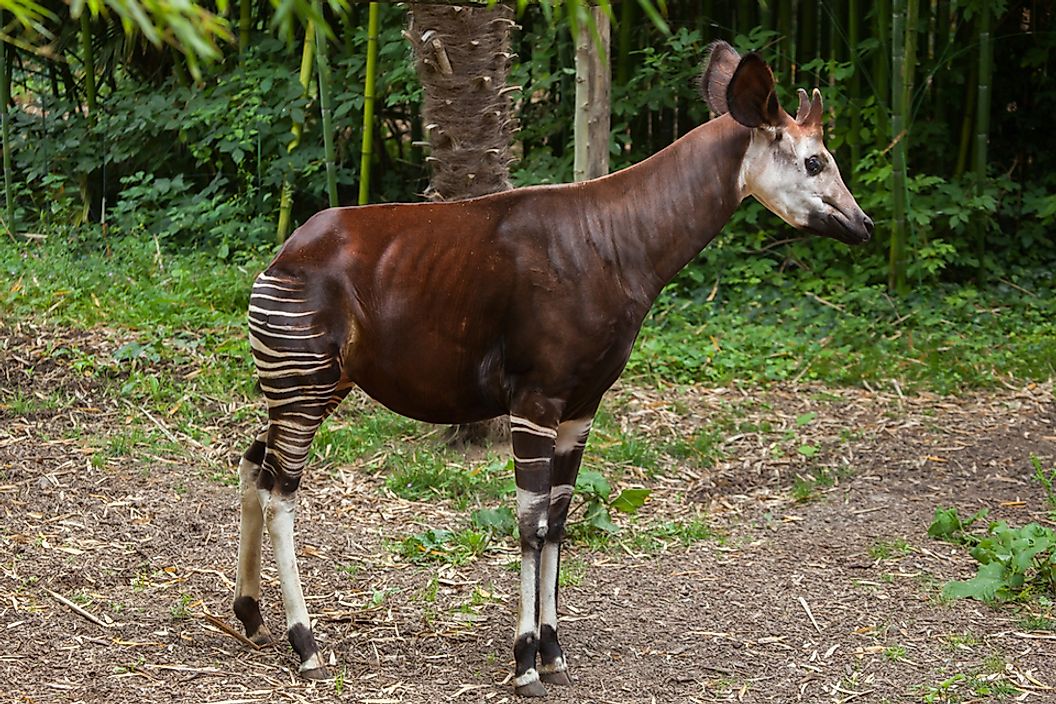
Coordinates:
column 183, row 355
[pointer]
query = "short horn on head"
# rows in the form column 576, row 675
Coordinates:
column 809, row 112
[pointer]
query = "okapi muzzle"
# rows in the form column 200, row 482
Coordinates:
column 524, row 304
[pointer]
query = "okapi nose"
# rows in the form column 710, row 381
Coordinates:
column 867, row 223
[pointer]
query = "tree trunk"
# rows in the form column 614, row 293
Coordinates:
column 593, row 92
column 462, row 56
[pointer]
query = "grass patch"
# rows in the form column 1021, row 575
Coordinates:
column 889, row 549
column 942, row 338
column 424, row 474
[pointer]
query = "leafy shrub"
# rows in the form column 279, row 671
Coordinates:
column 1014, row 563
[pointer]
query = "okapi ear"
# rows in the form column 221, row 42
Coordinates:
column 721, row 62
column 750, row 95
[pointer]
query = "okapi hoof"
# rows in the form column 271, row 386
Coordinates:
column 262, row 638
column 557, row 677
column 315, row 673
column 534, row 688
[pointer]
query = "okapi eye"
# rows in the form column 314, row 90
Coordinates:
column 813, row 165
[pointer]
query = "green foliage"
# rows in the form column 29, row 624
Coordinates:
column 1014, row 563
column 1047, row 479
column 498, row 521
column 945, row 338
column 423, row 475
column 596, row 493
column 444, row 546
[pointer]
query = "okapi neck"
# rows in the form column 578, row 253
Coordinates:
column 667, row 208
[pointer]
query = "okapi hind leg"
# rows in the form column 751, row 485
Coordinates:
column 568, row 453
column 251, row 527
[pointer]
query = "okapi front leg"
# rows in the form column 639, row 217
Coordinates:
column 251, row 528
column 571, row 439
column 533, row 450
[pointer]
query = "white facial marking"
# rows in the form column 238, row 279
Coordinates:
column 774, row 172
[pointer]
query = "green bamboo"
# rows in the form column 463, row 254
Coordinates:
column 5, row 132
column 297, row 129
column 784, row 30
column 896, row 271
column 853, row 37
column 368, row 104
column 623, row 51
column 245, row 20
column 324, row 109
column 910, row 63
column 88, row 56
column 982, row 122
column 882, row 68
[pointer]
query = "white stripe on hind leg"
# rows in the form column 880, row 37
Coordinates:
column 280, row 514
column 250, row 533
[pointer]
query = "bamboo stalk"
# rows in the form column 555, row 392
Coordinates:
column 896, row 271
column 882, row 68
column 853, row 36
column 5, row 132
column 297, row 129
column 623, row 52
column 982, row 123
column 88, row 58
column 324, row 109
column 368, row 104
column 245, row 19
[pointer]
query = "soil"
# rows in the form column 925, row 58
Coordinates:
column 830, row 599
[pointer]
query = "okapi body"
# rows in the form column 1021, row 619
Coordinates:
column 524, row 303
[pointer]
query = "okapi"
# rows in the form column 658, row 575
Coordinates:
column 524, row 303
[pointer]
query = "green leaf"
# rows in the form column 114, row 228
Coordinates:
column 592, row 484
column 983, row 586
column 499, row 521
column 630, row 500
column 598, row 517
column 808, row 450
column 805, row 419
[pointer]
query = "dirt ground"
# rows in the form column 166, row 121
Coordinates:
column 798, row 600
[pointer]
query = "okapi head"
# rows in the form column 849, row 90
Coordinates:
column 787, row 167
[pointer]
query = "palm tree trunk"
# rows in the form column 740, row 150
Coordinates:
column 368, row 104
column 324, row 109
column 297, row 129
column 462, row 56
